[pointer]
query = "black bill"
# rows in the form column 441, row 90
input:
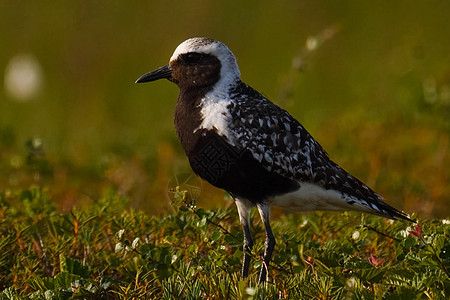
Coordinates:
column 163, row 72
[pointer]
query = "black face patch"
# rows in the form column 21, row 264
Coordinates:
column 195, row 70
column 193, row 58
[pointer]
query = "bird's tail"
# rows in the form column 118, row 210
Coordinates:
column 385, row 210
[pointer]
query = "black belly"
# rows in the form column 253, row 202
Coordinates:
column 235, row 170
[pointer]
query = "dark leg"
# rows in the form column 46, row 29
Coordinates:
column 244, row 207
column 248, row 244
column 264, row 212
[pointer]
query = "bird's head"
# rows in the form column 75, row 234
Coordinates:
column 198, row 63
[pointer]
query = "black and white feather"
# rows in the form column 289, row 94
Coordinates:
column 240, row 141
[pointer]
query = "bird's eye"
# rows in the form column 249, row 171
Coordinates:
column 192, row 57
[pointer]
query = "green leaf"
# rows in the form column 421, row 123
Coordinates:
column 164, row 271
column 171, row 238
column 73, row 266
column 409, row 242
column 183, row 209
column 216, row 235
column 400, row 257
column 200, row 212
column 233, row 261
column 231, row 241
column 201, row 223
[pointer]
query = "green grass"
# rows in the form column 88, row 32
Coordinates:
column 106, row 251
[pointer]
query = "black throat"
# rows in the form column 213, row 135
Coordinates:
column 195, row 74
column 188, row 117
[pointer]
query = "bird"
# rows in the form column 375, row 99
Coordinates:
column 241, row 142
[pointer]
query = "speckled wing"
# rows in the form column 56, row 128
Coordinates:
column 281, row 144
column 272, row 135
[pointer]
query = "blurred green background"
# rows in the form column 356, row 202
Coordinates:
column 369, row 79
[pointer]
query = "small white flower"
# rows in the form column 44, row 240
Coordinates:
column 404, row 233
column 250, row 291
column 174, row 258
column 135, row 243
column 120, row 233
column 119, row 247
column 351, row 282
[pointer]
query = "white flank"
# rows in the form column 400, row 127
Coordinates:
column 311, row 197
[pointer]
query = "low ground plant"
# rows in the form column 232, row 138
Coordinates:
column 105, row 250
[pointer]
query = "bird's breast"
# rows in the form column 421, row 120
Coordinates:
column 202, row 115
column 211, row 156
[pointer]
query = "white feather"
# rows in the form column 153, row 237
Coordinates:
column 215, row 114
column 244, row 207
column 310, row 197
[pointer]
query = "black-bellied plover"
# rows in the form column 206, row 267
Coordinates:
column 239, row 141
